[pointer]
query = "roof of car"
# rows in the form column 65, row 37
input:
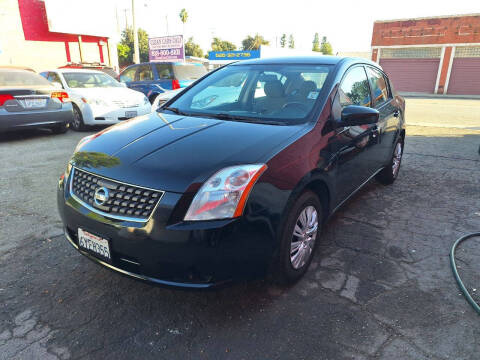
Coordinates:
column 15, row 68
column 319, row 60
column 70, row 70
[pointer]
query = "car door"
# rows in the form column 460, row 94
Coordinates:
column 164, row 76
column 351, row 145
column 143, row 79
column 128, row 76
column 388, row 120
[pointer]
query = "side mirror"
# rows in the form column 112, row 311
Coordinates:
column 354, row 115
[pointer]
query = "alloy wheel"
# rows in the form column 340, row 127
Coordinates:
column 304, row 236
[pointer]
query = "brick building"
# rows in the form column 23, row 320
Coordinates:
column 438, row 55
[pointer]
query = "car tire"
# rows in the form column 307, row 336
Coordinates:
column 296, row 251
column 388, row 175
column 77, row 120
column 60, row 128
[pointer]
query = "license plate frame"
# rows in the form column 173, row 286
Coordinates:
column 131, row 114
column 96, row 245
column 35, row 103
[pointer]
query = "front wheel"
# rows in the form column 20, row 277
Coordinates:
column 388, row 175
column 298, row 239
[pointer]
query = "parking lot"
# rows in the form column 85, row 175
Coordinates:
column 380, row 286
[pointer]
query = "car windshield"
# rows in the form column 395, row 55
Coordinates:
column 21, row 78
column 189, row 71
column 89, row 80
column 256, row 93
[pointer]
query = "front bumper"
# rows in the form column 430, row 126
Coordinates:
column 98, row 115
column 193, row 255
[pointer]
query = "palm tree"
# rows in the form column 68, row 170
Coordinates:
column 183, row 18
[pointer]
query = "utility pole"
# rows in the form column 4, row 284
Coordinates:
column 136, row 56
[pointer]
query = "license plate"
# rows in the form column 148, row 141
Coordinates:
column 130, row 114
column 35, row 103
column 94, row 243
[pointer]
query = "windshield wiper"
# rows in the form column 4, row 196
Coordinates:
column 174, row 110
column 224, row 116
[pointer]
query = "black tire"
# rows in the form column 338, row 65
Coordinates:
column 388, row 175
column 282, row 270
column 60, row 128
column 77, row 120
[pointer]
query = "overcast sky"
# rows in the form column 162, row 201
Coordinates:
column 347, row 24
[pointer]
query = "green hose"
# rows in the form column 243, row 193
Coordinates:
column 455, row 271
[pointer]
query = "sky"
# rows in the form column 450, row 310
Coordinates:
column 347, row 24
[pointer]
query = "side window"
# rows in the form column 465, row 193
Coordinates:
column 354, row 89
column 128, row 75
column 53, row 77
column 144, row 73
column 164, row 71
column 379, row 86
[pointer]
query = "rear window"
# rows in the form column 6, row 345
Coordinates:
column 21, row 78
column 189, row 71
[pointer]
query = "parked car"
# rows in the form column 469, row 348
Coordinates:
column 157, row 77
column 98, row 99
column 200, row 193
column 29, row 101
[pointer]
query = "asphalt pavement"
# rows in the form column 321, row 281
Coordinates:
column 379, row 287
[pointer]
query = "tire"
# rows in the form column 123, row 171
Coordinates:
column 77, row 121
column 388, row 175
column 60, row 128
column 288, row 265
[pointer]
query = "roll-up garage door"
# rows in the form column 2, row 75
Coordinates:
column 465, row 73
column 411, row 69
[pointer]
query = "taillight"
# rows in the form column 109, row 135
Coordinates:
column 175, row 84
column 5, row 97
column 60, row 95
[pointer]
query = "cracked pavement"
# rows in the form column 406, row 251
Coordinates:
column 379, row 287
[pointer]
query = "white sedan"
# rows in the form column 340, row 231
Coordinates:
column 97, row 98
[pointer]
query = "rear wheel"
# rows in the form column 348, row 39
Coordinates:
column 388, row 175
column 60, row 128
column 298, row 239
column 77, row 121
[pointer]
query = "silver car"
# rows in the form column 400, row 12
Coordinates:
column 27, row 100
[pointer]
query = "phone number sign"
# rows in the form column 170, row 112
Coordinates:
column 166, row 48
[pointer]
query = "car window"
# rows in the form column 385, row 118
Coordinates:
column 89, row 80
column 189, row 71
column 144, row 73
column 164, row 71
column 53, row 77
column 129, row 74
column 222, row 92
column 378, row 85
column 263, row 79
column 354, row 89
column 21, row 78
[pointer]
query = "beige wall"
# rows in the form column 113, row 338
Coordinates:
column 40, row 55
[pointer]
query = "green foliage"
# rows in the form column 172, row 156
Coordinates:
column 193, row 49
column 326, row 47
column 125, row 47
column 283, row 40
column 254, row 43
column 183, row 16
column 316, row 43
column 291, row 42
column 222, row 45
column 94, row 160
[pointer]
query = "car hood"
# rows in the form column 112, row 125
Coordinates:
column 173, row 152
column 109, row 94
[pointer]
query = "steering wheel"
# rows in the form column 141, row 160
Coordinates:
column 295, row 104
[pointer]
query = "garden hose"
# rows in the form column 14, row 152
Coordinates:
column 455, row 271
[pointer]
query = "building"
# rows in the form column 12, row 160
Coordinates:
column 438, row 55
column 39, row 34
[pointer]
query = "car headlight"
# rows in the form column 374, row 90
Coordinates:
column 224, row 194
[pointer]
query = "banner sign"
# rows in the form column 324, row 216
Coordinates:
column 234, row 55
column 166, row 48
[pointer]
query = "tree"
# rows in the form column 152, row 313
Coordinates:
column 222, row 45
column 125, row 47
column 254, row 43
column 316, row 43
column 326, row 47
column 183, row 18
column 192, row 49
column 283, row 40
column 291, row 42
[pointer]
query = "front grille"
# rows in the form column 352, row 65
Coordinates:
column 125, row 103
column 123, row 200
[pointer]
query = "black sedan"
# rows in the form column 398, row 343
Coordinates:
column 27, row 100
column 235, row 176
